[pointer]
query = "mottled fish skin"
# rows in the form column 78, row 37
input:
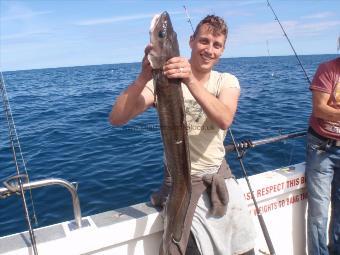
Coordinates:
column 171, row 112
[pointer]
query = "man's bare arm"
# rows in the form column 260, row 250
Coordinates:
column 136, row 98
column 321, row 109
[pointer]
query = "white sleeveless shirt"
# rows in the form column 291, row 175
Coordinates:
column 205, row 137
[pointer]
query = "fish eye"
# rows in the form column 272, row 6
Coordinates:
column 161, row 34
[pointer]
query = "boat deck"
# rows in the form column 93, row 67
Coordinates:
column 137, row 229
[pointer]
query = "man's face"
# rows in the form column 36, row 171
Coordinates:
column 206, row 49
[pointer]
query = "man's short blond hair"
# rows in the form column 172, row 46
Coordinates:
column 215, row 23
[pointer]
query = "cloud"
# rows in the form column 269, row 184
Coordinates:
column 93, row 22
column 25, row 16
column 17, row 11
column 250, row 2
column 24, row 35
column 320, row 26
column 102, row 21
column 19, row 23
column 271, row 30
column 321, row 15
column 258, row 32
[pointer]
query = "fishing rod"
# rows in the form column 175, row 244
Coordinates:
column 270, row 57
column 259, row 214
column 291, row 45
column 251, row 144
column 18, row 157
column 188, row 18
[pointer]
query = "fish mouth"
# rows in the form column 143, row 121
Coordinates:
column 164, row 16
column 161, row 19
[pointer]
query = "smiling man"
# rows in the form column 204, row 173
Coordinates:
column 218, row 220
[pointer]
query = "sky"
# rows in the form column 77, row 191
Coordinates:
column 56, row 33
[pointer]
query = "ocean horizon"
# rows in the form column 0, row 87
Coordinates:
column 136, row 62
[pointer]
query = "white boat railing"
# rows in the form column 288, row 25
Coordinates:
column 12, row 187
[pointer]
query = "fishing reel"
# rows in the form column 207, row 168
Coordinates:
column 242, row 147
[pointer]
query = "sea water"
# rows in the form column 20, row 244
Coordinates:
column 61, row 117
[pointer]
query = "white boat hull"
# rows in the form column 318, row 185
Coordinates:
column 137, row 230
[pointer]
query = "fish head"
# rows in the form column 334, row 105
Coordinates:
column 163, row 39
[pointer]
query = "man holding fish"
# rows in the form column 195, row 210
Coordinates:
column 217, row 220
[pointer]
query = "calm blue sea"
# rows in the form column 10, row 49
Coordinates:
column 61, row 116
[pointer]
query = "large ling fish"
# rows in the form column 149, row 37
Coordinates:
column 170, row 107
